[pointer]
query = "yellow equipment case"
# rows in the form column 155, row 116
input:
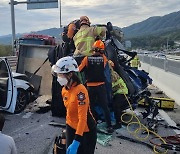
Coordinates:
column 163, row 103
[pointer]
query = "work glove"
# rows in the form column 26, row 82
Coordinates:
column 72, row 149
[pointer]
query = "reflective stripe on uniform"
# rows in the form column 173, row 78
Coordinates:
column 99, row 30
column 135, row 62
column 85, row 38
column 88, row 41
column 80, row 34
column 120, row 87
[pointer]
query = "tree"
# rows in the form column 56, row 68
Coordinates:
column 5, row 50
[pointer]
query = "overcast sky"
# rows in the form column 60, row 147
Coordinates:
column 121, row 13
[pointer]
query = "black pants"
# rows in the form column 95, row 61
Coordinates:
column 119, row 104
column 99, row 93
column 88, row 143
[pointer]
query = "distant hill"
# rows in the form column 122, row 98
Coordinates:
column 165, row 26
column 154, row 25
column 52, row 31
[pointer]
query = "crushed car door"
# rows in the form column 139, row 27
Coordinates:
column 8, row 91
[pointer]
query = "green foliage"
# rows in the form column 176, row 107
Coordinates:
column 157, row 41
column 155, row 32
column 5, row 50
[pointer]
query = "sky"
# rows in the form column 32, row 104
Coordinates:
column 121, row 13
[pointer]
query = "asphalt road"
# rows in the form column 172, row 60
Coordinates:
column 33, row 134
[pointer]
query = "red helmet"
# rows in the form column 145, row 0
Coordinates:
column 98, row 45
column 84, row 20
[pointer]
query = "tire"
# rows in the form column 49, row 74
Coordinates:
column 22, row 100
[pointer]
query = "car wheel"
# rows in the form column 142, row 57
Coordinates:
column 22, row 100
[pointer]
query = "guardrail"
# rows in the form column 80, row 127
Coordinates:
column 12, row 62
column 169, row 64
column 165, row 74
column 173, row 57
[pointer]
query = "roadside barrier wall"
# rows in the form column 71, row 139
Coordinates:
column 165, row 74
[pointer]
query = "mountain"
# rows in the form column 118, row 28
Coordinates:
column 154, row 25
column 52, row 31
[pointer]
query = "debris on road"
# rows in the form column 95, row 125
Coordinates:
column 39, row 105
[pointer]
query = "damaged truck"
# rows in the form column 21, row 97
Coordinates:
column 32, row 77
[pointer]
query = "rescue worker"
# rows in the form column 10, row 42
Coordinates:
column 67, row 36
column 119, row 90
column 80, row 125
column 135, row 62
column 7, row 144
column 94, row 73
column 86, row 36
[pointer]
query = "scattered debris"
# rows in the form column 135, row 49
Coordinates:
column 135, row 141
column 159, row 92
column 39, row 105
column 158, row 97
column 27, row 115
column 52, row 123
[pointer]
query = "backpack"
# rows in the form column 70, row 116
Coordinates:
column 74, row 31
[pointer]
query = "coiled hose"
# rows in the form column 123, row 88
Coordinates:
column 141, row 128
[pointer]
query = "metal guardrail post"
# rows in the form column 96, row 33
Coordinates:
column 151, row 60
column 166, row 65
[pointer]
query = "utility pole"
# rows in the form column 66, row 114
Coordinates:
column 12, row 2
column 13, row 26
column 60, row 12
column 167, row 44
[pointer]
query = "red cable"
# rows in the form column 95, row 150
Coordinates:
column 175, row 140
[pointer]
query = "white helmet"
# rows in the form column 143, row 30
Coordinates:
column 65, row 65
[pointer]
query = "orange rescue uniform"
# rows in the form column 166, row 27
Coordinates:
column 76, row 101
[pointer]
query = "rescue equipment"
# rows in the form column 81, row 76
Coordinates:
column 163, row 103
column 60, row 143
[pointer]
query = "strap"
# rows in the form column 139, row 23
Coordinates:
column 39, row 67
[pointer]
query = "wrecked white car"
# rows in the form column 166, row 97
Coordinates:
column 15, row 90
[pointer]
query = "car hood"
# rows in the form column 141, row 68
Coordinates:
column 19, row 76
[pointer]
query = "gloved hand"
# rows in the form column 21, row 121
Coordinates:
column 72, row 149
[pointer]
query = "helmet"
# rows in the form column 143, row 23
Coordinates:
column 98, row 45
column 65, row 65
column 84, row 20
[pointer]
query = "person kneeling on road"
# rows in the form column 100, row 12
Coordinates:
column 81, row 132
column 119, row 90
column 94, row 73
